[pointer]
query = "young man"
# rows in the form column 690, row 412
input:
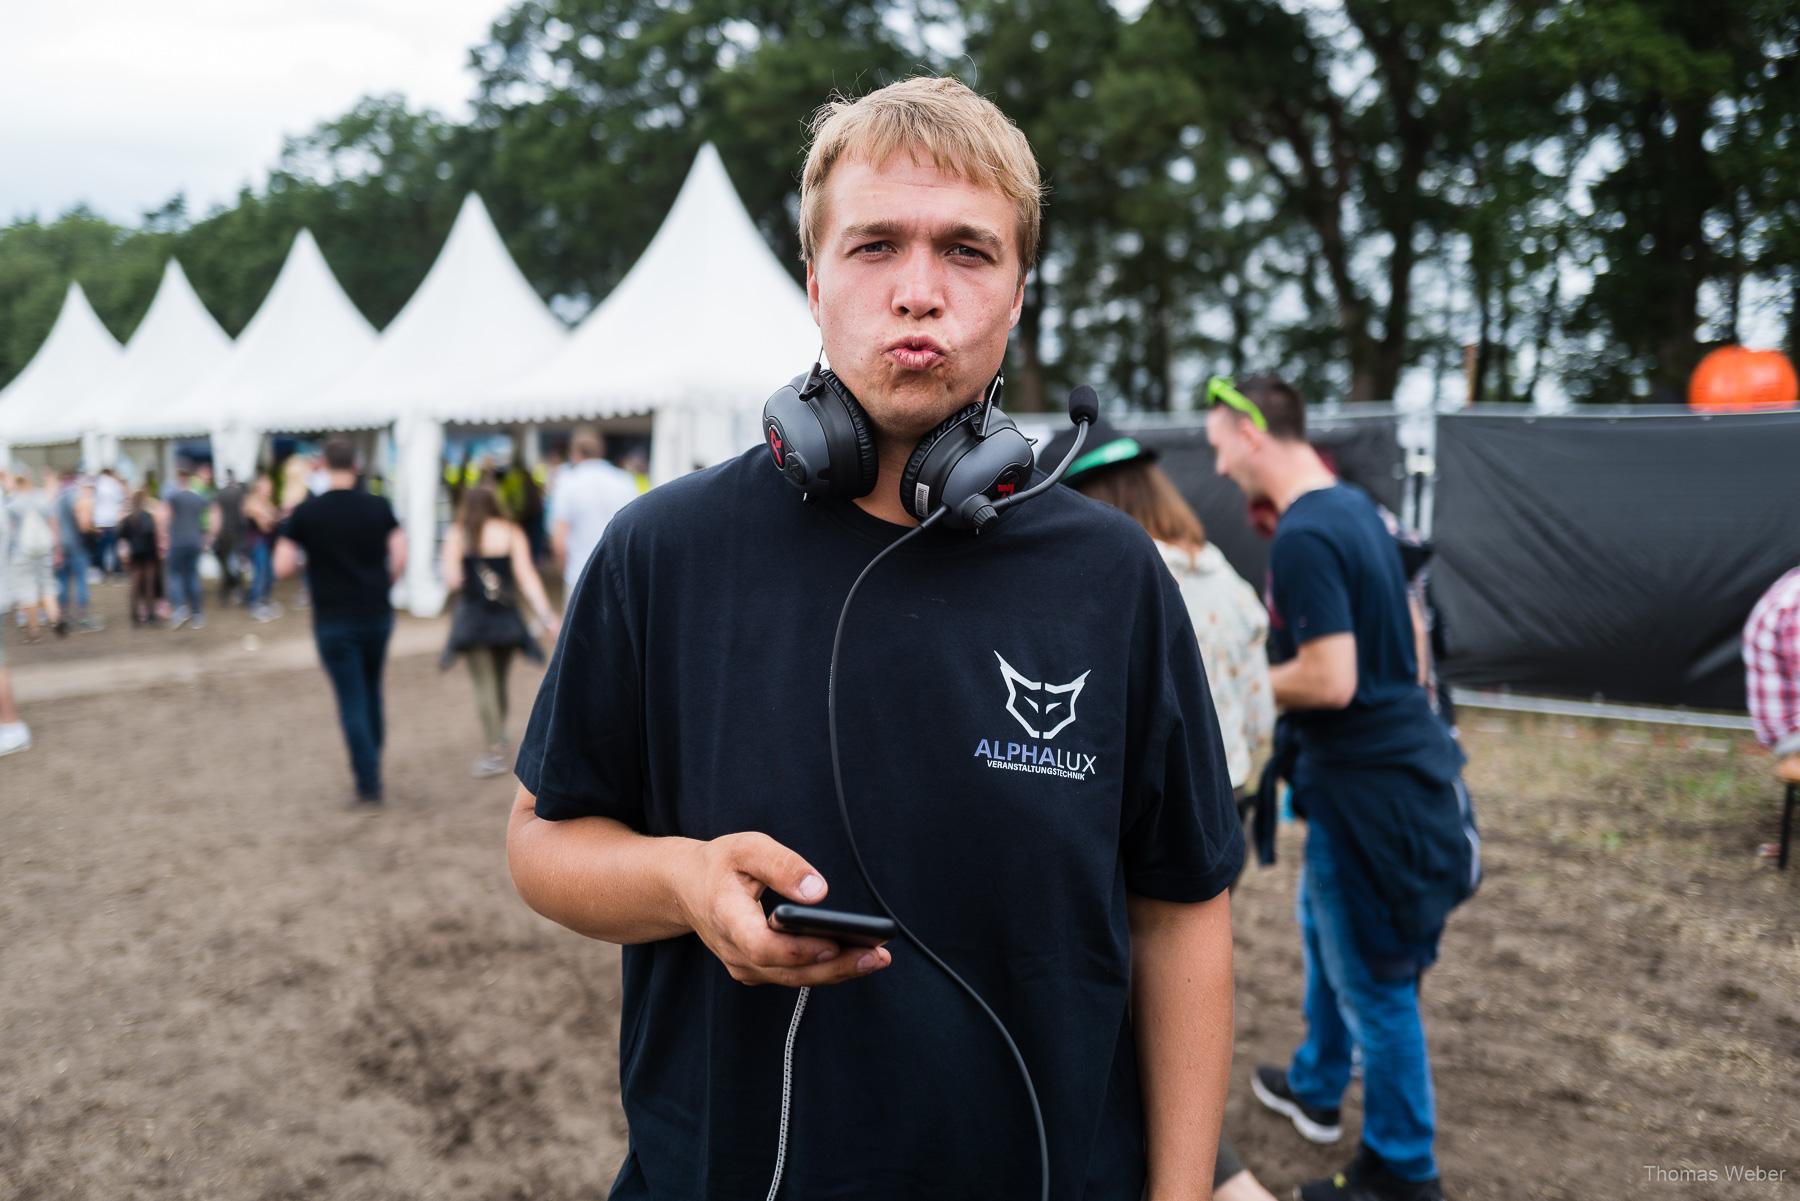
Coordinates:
column 1029, row 754
column 1390, row 846
column 355, row 551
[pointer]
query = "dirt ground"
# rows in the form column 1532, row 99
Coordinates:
column 216, row 982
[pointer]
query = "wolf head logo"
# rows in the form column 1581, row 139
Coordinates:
column 1043, row 709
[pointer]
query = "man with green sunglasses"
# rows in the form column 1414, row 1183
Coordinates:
column 1391, row 846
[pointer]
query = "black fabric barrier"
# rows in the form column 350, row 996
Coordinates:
column 1614, row 557
column 1366, row 451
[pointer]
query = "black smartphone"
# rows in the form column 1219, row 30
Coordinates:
column 852, row 929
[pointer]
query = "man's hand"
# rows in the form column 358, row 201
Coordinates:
column 722, row 901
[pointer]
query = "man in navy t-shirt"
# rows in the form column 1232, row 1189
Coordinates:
column 1029, row 753
column 1391, row 845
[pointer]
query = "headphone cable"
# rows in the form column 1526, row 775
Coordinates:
column 837, row 779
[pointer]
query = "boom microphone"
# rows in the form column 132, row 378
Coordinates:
column 1084, row 410
column 1084, row 405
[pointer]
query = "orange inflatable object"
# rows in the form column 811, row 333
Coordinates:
column 1734, row 378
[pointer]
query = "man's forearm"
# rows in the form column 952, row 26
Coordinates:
column 599, row 877
column 1181, row 1010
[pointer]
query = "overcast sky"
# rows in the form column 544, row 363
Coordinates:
column 145, row 98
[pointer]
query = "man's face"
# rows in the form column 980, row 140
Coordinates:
column 1233, row 440
column 915, row 286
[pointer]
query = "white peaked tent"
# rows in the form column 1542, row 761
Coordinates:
column 305, row 337
column 175, row 346
column 77, row 362
column 474, row 324
column 704, row 327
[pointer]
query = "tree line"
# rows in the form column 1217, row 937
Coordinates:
column 1591, row 193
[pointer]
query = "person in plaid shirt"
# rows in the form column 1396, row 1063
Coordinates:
column 1772, row 666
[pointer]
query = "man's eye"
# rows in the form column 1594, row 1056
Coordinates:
column 967, row 252
column 874, row 247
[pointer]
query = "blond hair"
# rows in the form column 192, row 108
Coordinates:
column 963, row 133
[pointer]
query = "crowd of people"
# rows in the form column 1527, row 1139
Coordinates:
column 65, row 534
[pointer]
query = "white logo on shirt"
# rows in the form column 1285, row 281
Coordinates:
column 1047, row 708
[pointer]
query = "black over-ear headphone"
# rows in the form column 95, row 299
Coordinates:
column 823, row 443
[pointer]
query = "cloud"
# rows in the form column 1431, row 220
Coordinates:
column 136, row 101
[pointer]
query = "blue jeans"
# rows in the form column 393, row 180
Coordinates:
column 72, row 581
column 106, row 550
column 184, row 577
column 353, row 652
column 262, row 574
column 1347, row 1007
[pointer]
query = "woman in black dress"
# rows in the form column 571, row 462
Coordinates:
column 138, row 539
column 488, row 569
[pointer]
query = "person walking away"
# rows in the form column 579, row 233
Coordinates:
column 110, row 495
column 228, row 537
column 32, row 515
column 587, row 496
column 15, row 735
column 1391, row 845
column 355, row 551
column 74, row 557
column 261, row 521
column 488, row 566
column 185, row 513
column 138, row 543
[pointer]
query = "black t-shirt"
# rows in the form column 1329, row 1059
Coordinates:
column 230, row 500
column 345, row 535
column 1027, row 735
column 1335, row 569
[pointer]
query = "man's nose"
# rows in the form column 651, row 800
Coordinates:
column 919, row 291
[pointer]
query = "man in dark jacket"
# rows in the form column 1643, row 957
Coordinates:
column 1391, row 845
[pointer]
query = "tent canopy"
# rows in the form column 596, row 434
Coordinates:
column 76, row 364
column 304, row 338
column 473, row 325
column 175, row 346
column 707, row 318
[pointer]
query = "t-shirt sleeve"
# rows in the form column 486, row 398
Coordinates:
column 1310, row 590
column 389, row 523
column 1181, row 840
column 582, row 755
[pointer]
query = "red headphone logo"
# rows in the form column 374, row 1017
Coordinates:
column 775, row 445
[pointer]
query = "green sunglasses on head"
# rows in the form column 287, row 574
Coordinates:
column 1219, row 390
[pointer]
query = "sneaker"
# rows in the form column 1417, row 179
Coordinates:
column 90, row 625
column 14, row 736
column 366, row 802
column 61, row 627
column 1315, row 1125
column 178, row 618
column 490, row 765
column 199, row 622
column 1366, row 1178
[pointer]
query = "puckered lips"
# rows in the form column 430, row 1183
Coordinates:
column 916, row 353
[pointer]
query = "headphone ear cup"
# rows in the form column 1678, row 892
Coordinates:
column 868, row 465
column 919, row 505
